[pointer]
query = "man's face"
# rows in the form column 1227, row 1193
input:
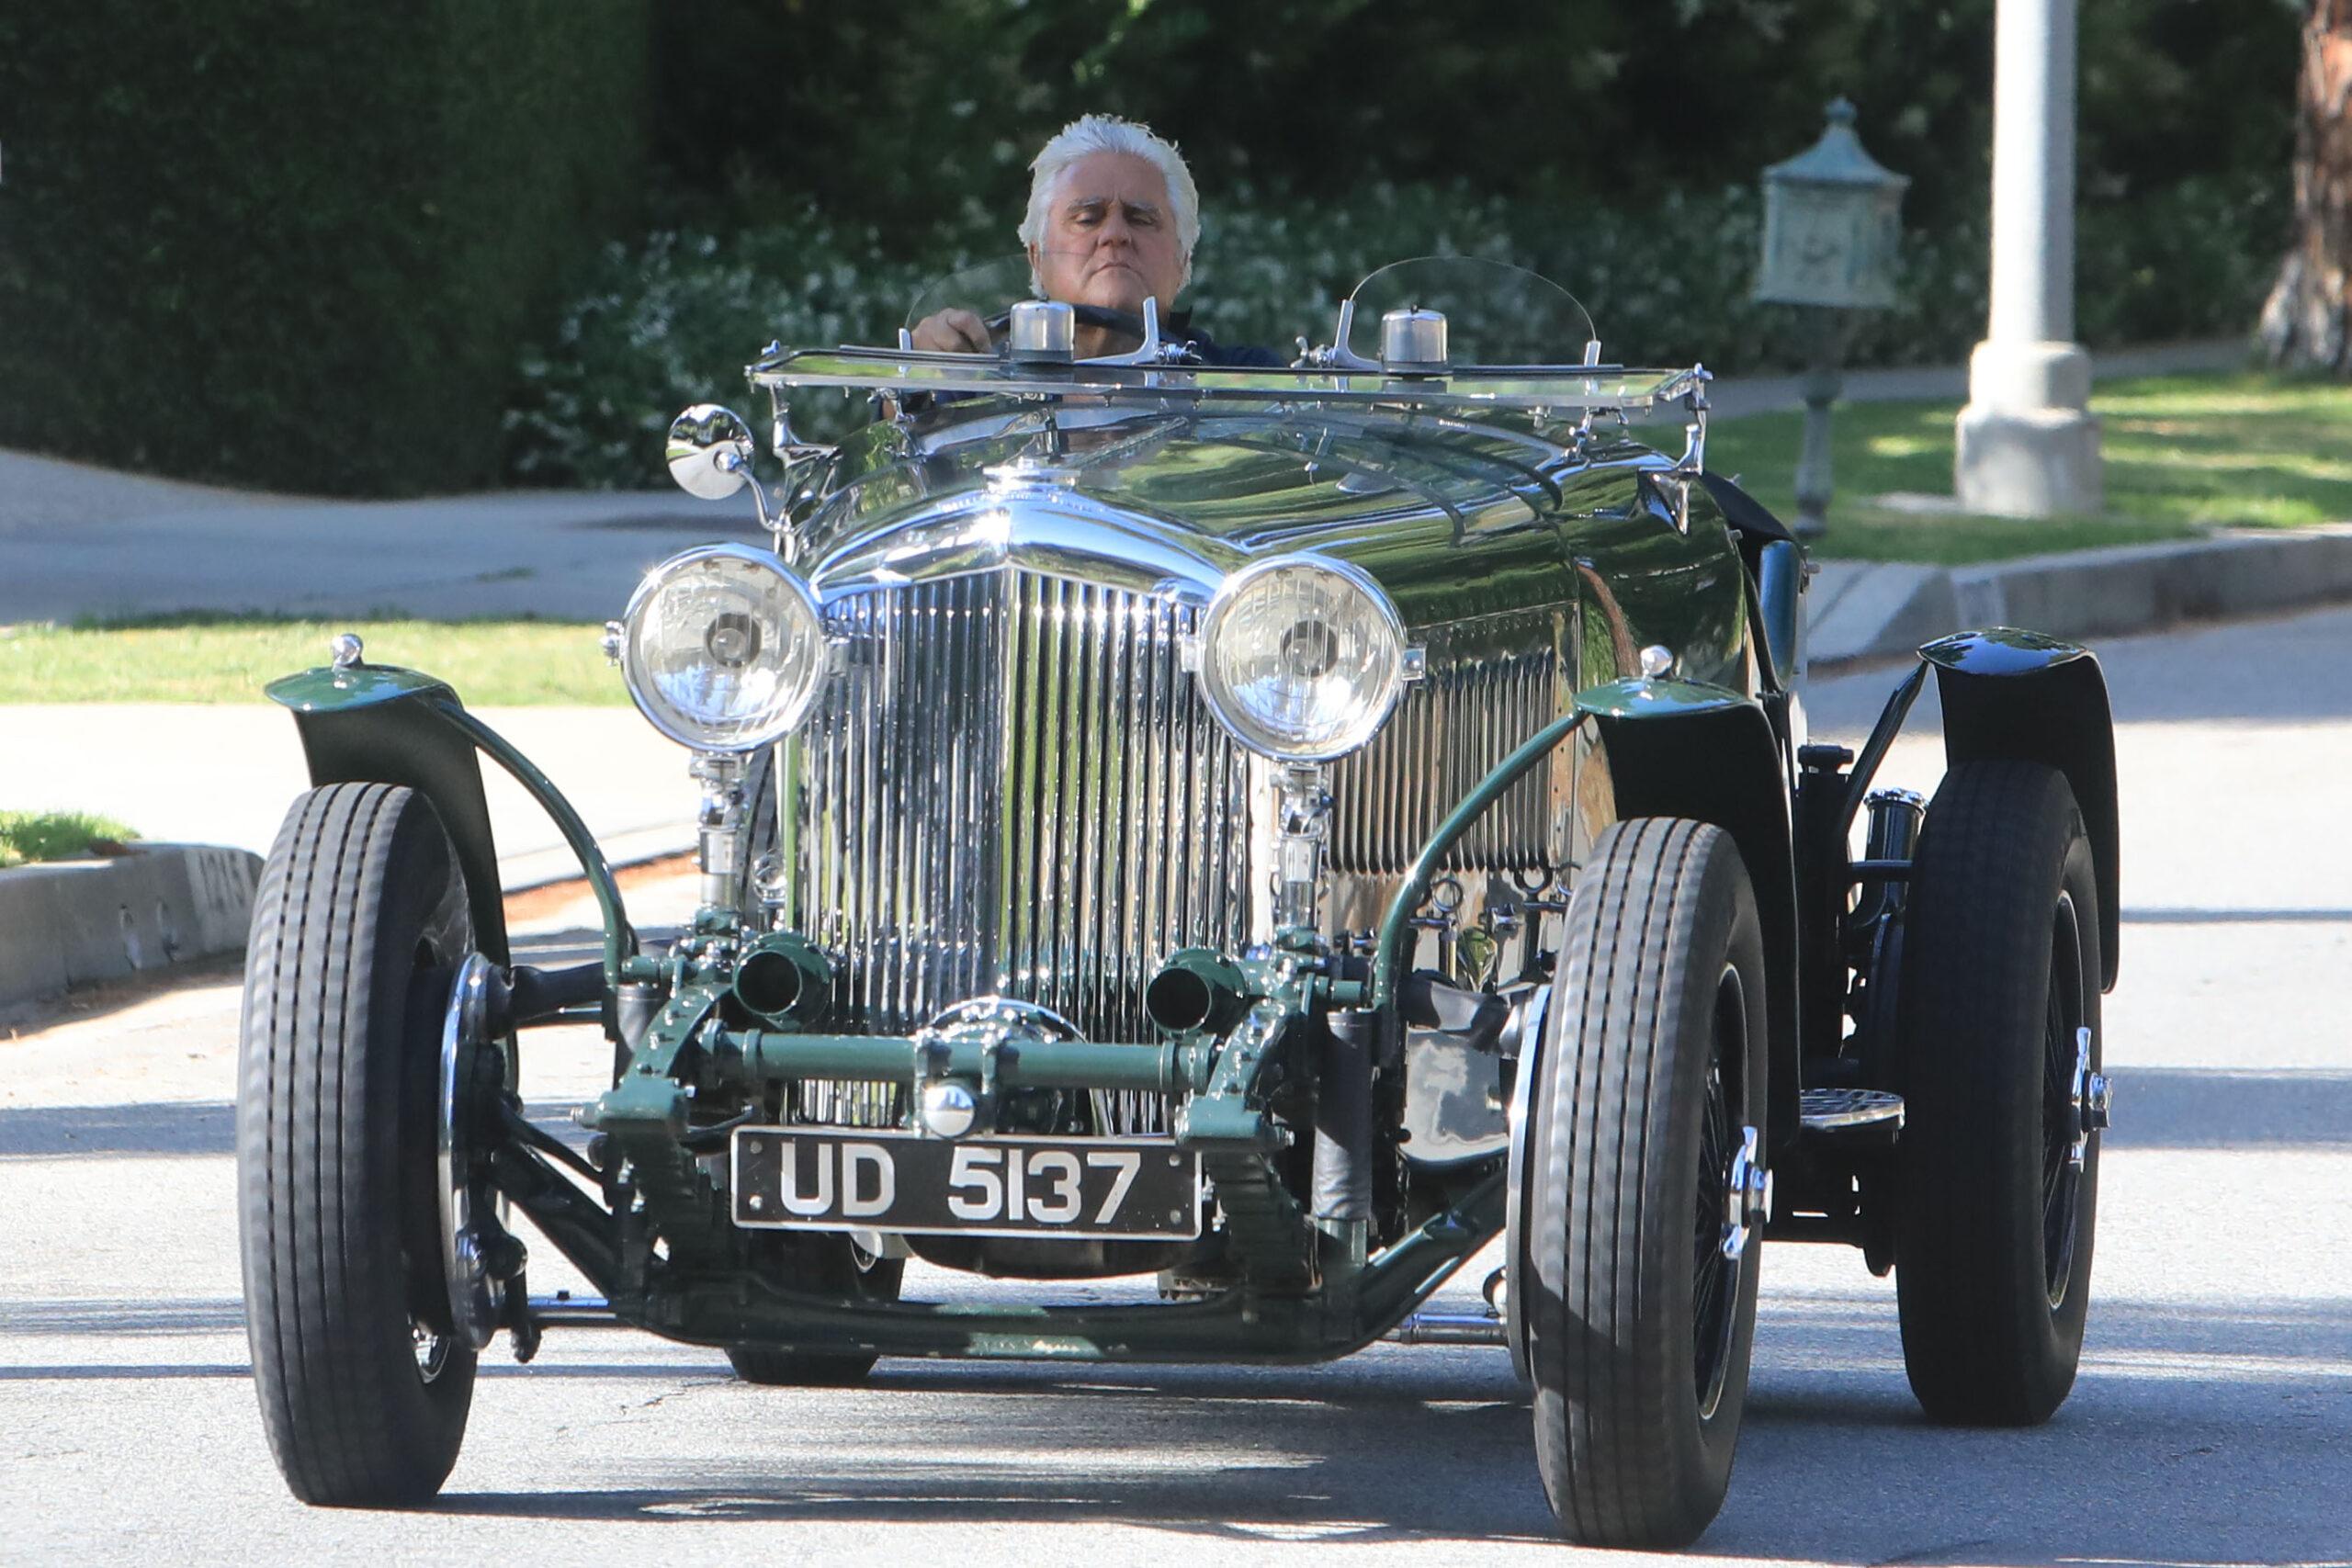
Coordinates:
column 1110, row 235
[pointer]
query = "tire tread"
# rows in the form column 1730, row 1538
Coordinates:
column 313, row 1095
column 1606, row 1452
column 1980, row 1346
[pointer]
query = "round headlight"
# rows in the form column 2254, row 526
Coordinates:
column 723, row 649
column 1301, row 658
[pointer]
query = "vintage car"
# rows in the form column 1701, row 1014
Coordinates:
column 1268, row 829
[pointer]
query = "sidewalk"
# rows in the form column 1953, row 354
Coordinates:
column 1860, row 611
column 77, row 540
column 1738, row 396
column 223, row 774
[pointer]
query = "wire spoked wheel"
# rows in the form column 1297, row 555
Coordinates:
column 1635, row 1268
column 1715, row 1269
column 2064, row 1067
column 1999, row 1057
column 431, row 1351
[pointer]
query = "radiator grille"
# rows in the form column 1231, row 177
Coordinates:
column 1011, row 788
column 1445, row 736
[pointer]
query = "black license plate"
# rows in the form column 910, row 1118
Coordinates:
column 1102, row 1189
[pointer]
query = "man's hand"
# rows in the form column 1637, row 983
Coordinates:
column 953, row 331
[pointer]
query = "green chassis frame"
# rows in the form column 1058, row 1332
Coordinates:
column 1303, row 1297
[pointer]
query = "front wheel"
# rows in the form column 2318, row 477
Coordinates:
column 2000, row 1040
column 1638, row 1260
column 359, row 928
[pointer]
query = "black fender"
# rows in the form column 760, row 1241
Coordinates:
column 1776, row 568
column 374, row 724
column 1685, row 748
column 2013, row 696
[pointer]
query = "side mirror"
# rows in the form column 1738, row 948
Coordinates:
column 709, row 452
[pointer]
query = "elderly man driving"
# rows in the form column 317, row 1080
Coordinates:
column 1113, row 218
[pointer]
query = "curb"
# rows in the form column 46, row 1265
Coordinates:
column 1886, row 612
column 65, row 923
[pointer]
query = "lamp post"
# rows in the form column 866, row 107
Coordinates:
column 1832, row 218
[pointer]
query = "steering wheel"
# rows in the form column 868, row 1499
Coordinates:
column 1100, row 316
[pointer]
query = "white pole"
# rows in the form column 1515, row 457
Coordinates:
column 2034, row 173
column 2027, row 447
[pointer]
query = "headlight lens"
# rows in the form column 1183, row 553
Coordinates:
column 723, row 649
column 1301, row 658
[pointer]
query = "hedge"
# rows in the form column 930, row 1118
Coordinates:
column 295, row 241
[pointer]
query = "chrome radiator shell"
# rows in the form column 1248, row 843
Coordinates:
column 1011, row 788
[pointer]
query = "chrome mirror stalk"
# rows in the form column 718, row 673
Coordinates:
column 720, row 819
column 1305, row 818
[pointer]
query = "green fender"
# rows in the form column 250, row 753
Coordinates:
column 380, row 724
column 371, row 724
column 2020, row 696
column 1687, row 749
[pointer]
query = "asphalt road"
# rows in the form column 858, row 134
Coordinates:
column 2212, row 1423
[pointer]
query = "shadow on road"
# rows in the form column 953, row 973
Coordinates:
column 2198, row 1434
column 2177, row 1415
column 101, row 999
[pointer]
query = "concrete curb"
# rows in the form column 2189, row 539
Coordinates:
column 1864, row 613
column 69, row 922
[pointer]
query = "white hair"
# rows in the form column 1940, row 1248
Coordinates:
column 1109, row 134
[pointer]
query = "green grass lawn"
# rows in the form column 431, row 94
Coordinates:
column 55, row 835
column 2184, row 454
column 216, row 658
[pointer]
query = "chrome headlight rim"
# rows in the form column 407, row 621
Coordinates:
column 1244, row 727
column 810, row 683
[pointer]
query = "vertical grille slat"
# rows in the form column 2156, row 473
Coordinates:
column 1449, row 731
column 1010, row 787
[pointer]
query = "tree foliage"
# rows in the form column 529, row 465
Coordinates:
column 901, row 110
column 299, row 243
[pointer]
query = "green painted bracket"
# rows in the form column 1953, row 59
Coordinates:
column 1230, row 1113
column 1490, row 789
column 620, row 937
column 649, row 1101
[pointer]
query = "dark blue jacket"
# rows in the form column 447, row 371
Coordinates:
column 1177, row 326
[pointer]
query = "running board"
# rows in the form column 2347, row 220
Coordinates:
column 564, row 1309
column 1851, row 1116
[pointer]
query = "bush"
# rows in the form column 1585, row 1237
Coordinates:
column 672, row 321
column 297, row 243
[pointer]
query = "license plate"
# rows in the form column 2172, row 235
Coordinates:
column 1102, row 1189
